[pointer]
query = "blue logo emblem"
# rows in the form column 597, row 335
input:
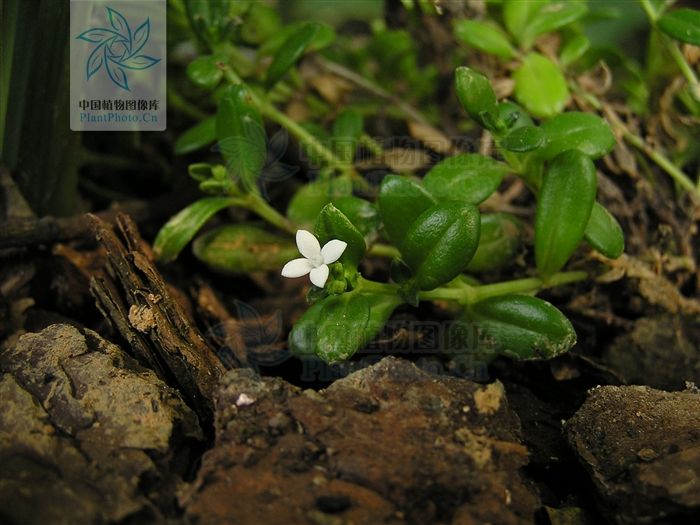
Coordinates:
column 118, row 48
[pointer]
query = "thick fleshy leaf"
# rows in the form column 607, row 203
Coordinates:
column 441, row 242
column 336, row 327
column 564, row 206
column 333, row 224
column 309, row 200
column 499, row 241
column 363, row 214
column 244, row 248
column 241, row 136
column 517, row 15
column 526, row 20
column 291, row 50
column 469, row 178
column 540, row 86
column 604, row 233
column 401, row 201
column 183, row 226
column 477, row 96
column 513, row 115
column 485, row 36
column 346, row 134
column 682, row 24
column 520, row 327
column 523, row 139
column 574, row 49
column 197, row 137
column 205, row 72
column 585, row 132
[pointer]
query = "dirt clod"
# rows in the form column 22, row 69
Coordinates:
column 323, row 457
column 642, row 449
column 86, row 434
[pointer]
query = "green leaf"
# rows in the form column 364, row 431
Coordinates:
column 363, row 214
column 470, row 178
column 552, row 17
column 523, row 139
column 336, row 327
column 309, row 200
column 564, row 206
column 485, row 36
column 604, row 233
column 585, row 132
column 183, row 226
column 499, row 242
column 205, row 72
column 243, row 248
column 333, row 224
column 197, row 137
column 513, row 115
column 521, row 327
column 290, row 51
column 241, row 135
column 261, row 23
column 476, row 95
column 325, row 35
column 540, row 86
column 526, row 20
column 682, row 24
column 574, row 49
column 441, row 242
column 401, row 201
column 346, row 134
column 517, row 15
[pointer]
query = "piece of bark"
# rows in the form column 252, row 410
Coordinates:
column 387, row 444
column 134, row 297
column 87, row 435
column 642, row 449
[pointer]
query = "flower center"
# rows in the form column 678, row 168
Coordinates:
column 316, row 261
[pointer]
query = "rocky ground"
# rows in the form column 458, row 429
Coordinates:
column 87, row 435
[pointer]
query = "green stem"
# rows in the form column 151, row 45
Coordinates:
column 255, row 203
column 271, row 112
column 384, row 250
column 463, row 293
column 177, row 101
column 638, row 142
column 672, row 47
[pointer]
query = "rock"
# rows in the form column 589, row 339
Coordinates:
column 661, row 352
column 387, row 444
column 642, row 449
column 86, row 434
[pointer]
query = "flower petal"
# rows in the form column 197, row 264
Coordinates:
column 319, row 275
column 308, row 245
column 296, row 268
column 332, row 250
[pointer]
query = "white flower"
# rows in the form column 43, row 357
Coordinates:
column 316, row 259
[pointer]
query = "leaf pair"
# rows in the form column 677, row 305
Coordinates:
column 436, row 239
column 334, row 328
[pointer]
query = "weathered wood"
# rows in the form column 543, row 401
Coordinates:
column 132, row 295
